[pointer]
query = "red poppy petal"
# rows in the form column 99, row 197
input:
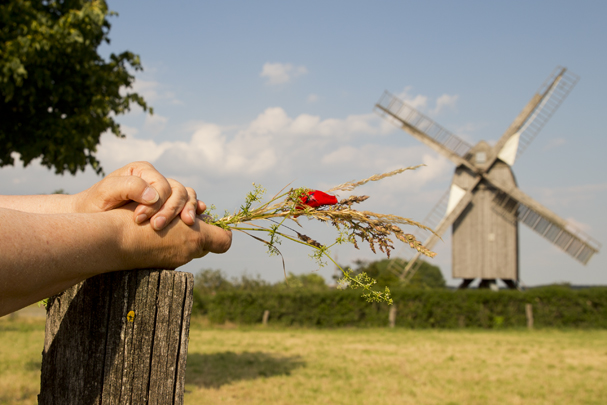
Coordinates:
column 318, row 198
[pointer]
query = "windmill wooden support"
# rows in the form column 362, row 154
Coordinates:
column 118, row 338
column 484, row 204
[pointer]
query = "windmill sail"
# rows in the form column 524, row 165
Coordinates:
column 441, row 139
column 570, row 240
column 484, row 192
column 552, row 92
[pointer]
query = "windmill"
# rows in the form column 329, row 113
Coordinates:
column 484, row 204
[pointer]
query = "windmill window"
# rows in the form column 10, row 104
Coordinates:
column 481, row 157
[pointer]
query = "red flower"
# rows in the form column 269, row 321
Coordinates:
column 316, row 199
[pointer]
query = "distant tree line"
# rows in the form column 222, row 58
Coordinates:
column 552, row 307
column 387, row 272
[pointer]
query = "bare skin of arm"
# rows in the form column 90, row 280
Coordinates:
column 43, row 254
column 161, row 199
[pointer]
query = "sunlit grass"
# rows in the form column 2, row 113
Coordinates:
column 382, row 366
column 256, row 365
column 21, row 343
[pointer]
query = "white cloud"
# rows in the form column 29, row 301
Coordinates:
column 273, row 144
column 465, row 132
column 555, row 143
column 418, row 102
column 445, row 101
column 312, row 98
column 571, row 196
column 575, row 226
column 154, row 124
column 153, row 91
column 280, row 73
column 128, row 130
column 114, row 152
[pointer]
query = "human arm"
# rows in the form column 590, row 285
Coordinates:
column 160, row 199
column 43, row 254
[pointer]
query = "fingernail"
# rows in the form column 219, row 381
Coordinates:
column 159, row 223
column 150, row 195
column 192, row 215
column 140, row 218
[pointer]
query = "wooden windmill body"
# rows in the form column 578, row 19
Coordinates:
column 484, row 204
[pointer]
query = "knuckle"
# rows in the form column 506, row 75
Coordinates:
column 175, row 184
column 191, row 193
column 136, row 167
column 133, row 182
column 144, row 163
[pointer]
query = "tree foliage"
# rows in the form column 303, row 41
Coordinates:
column 415, row 308
column 210, row 282
column 58, row 95
column 387, row 273
column 305, row 281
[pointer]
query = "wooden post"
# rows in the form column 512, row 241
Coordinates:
column 392, row 315
column 266, row 315
column 118, row 338
column 529, row 313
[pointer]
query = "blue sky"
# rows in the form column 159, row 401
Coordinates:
column 277, row 92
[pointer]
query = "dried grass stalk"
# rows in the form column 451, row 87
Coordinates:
column 351, row 185
column 352, row 226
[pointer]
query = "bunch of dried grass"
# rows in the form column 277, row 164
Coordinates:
column 352, row 226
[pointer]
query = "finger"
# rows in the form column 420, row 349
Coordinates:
column 154, row 179
column 172, row 206
column 201, row 207
column 114, row 192
column 217, row 240
column 188, row 213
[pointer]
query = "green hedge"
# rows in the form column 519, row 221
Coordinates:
column 440, row 308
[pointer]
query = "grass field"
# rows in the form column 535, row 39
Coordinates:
column 256, row 365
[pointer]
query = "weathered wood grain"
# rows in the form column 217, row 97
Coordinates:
column 118, row 338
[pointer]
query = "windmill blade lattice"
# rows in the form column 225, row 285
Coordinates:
column 403, row 113
column 553, row 91
column 570, row 240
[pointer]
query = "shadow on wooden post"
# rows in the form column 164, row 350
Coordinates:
column 118, row 338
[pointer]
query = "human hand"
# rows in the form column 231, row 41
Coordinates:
column 173, row 246
column 160, row 199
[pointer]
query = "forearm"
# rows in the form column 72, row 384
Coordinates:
column 39, row 204
column 160, row 199
column 45, row 254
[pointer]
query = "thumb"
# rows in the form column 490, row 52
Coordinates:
column 117, row 191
